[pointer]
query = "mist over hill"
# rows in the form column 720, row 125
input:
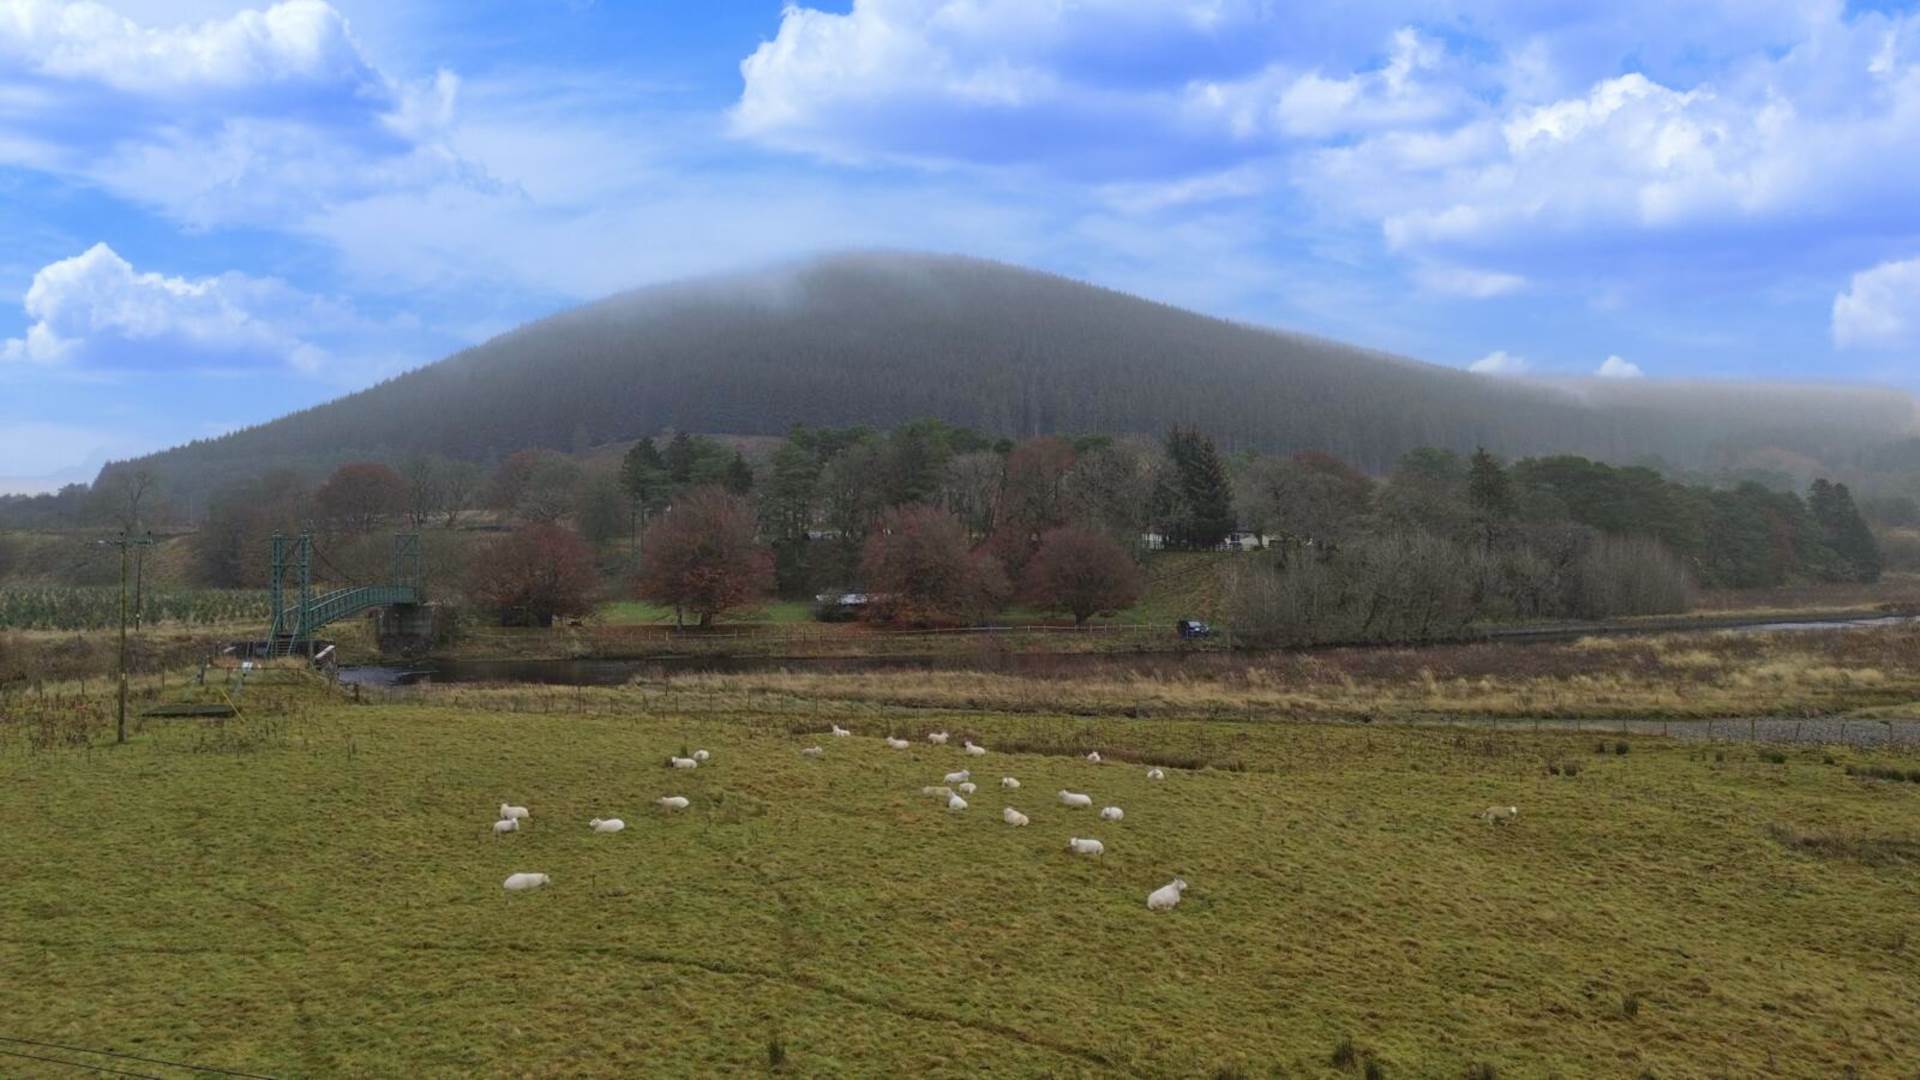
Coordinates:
column 880, row 338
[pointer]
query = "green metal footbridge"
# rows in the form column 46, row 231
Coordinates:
column 294, row 624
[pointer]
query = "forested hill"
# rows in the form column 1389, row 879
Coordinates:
column 881, row 338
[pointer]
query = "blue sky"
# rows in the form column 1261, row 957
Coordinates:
column 212, row 213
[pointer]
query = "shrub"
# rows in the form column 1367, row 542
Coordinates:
column 1344, row 1054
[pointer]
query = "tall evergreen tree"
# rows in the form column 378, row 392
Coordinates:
column 1489, row 493
column 1204, row 493
column 739, row 479
column 643, row 473
column 679, row 458
column 1845, row 530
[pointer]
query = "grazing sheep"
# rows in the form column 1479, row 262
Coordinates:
column 1081, row 846
column 1156, row 774
column 1074, row 798
column 955, row 802
column 683, row 762
column 1013, row 817
column 513, row 813
column 523, row 882
column 673, row 802
column 701, row 755
column 1499, row 815
column 937, row 738
column 840, row 732
column 506, row 825
column 975, row 751
column 969, row 787
column 812, row 751
column 1010, row 783
column 606, row 824
column 960, row 777
column 1164, row 897
column 897, row 744
column 937, row 792
column 1112, row 813
column 1094, row 756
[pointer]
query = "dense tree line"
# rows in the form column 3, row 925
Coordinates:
column 880, row 340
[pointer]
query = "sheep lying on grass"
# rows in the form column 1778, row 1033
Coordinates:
column 1112, row 813
column 897, row 744
column 1156, row 774
column 937, row 738
column 1013, row 817
column 683, row 763
column 523, row 882
column 1164, row 897
column 1074, row 798
column 812, row 751
column 701, row 756
column 1083, row 846
column 969, row 787
column 673, row 802
column 840, row 732
column 960, row 777
column 513, row 813
column 606, row 824
column 955, row 802
column 937, row 792
column 1010, row 783
column 1499, row 815
column 973, row 750
column 506, row 825
column 1094, row 756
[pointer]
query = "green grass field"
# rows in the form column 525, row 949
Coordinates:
column 313, row 890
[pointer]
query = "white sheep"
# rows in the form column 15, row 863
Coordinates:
column 969, row 787
column 955, row 802
column 523, row 882
column 506, row 825
column 1013, row 817
column 672, row 802
column 840, row 732
column 937, row 792
column 1156, row 774
column 606, row 824
column 897, row 744
column 1164, row 897
column 960, row 777
column 683, row 762
column 513, row 813
column 973, row 750
column 812, row 751
column 701, row 756
column 1074, row 798
column 1112, row 813
column 1499, row 815
column 1094, row 756
column 937, row 738
column 1010, row 783
column 1082, row 846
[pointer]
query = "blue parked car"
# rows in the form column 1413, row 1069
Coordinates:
column 1192, row 629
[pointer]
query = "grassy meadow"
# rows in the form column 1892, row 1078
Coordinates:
column 313, row 889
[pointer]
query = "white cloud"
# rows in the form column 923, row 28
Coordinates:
column 95, row 309
column 1881, row 308
column 1447, row 280
column 1500, row 362
column 1614, row 367
column 297, row 41
column 1283, row 101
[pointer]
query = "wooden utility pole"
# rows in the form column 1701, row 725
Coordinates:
column 125, row 543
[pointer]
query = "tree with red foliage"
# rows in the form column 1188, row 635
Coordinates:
column 535, row 575
column 919, row 570
column 1033, row 498
column 703, row 557
column 358, row 495
column 1082, row 572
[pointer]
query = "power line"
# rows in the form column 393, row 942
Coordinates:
column 80, row 1065
column 131, row 1057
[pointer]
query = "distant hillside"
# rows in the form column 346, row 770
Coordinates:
column 881, row 338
